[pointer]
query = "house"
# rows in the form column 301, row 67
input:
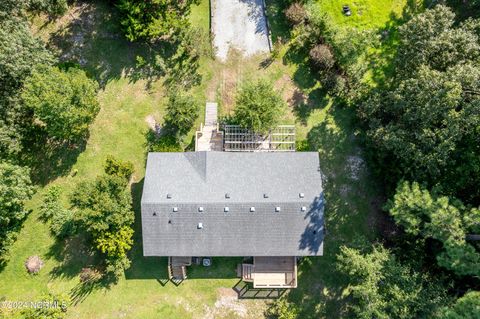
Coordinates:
column 265, row 205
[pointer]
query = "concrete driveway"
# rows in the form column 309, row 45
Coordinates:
column 239, row 24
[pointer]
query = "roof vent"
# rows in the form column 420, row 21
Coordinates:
column 169, row 221
column 200, row 226
column 169, row 196
column 252, row 209
column 175, row 209
column 154, row 214
column 227, row 195
column 277, row 209
column 304, row 209
column 265, row 195
column 226, row 209
column 301, row 195
column 200, row 209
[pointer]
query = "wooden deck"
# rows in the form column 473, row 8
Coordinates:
column 271, row 272
column 177, row 268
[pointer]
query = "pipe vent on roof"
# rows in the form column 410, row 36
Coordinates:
column 227, row 195
column 200, row 226
column 304, row 209
column 154, row 214
column 200, row 209
column 169, row 196
column 252, row 209
column 277, row 209
column 265, row 195
column 175, row 209
column 301, row 195
column 226, row 209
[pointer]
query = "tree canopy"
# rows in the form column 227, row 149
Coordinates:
column 64, row 103
column 384, row 288
column 424, row 125
column 15, row 189
column 258, row 106
column 427, row 216
column 105, row 213
column 182, row 112
column 151, row 19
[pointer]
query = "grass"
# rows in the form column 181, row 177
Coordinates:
column 126, row 99
column 367, row 14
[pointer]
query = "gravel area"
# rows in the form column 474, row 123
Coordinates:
column 241, row 25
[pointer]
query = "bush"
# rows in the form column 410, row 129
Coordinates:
column 60, row 220
column 296, row 13
column 321, row 57
column 50, row 202
column 282, row 309
column 334, row 83
column 123, row 169
column 165, row 143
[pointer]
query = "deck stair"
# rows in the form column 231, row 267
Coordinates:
column 247, row 272
column 177, row 268
column 209, row 137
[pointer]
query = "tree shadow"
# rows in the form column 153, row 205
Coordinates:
column 93, row 38
column 279, row 27
column 143, row 267
column 72, row 254
column 49, row 159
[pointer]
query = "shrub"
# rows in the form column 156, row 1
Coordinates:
column 50, row 202
column 119, row 168
column 165, row 143
column 60, row 220
column 296, row 13
column 282, row 309
column 321, row 57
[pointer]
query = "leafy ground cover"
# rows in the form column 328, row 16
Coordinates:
column 130, row 100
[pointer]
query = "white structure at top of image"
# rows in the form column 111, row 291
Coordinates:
column 241, row 25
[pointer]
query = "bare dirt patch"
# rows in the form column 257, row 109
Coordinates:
column 290, row 92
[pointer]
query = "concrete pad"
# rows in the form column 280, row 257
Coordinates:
column 241, row 25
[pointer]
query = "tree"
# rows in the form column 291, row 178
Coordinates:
column 151, row 19
column 104, row 212
column 63, row 102
column 182, row 111
column 441, row 219
column 465, row 307
column 20, row 51
column 426, row 128
column 384, row 288
column 15, row 189
column 258, row 106
column 443, row 45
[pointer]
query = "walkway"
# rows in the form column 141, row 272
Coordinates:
column 209, row 138
column 240, row 24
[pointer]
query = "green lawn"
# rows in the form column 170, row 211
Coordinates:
column 365, row 13
column 120, row 130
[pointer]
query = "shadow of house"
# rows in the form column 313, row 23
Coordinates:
column 313, row 237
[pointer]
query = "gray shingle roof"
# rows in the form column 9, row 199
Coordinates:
column 201, row 179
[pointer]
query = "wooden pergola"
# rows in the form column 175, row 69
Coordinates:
column 279, row 139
